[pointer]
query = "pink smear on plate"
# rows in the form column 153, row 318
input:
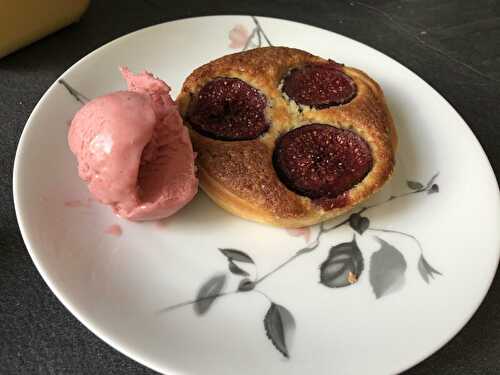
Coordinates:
column 238, row 36
column 78, row 203
column 161, row 224
column 304, row 232
column 114, row 230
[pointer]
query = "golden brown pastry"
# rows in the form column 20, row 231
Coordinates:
column 287, row 138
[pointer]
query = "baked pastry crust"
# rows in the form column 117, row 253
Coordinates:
column 239, row 175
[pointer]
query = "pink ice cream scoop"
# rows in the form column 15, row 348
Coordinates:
column 134, row 151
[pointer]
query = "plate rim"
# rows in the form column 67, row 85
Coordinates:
column 130, row 352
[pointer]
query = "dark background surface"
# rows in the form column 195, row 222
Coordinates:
column 453, row 45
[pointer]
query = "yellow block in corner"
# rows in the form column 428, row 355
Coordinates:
column 24, row 21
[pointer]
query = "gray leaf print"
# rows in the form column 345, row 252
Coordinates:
column 387, row 269
column 305, row 250
column 74, row 93
column 309, row 248
column 426, row 270
column 233, row 267
column 421, row 269
column 359, row 223
column 279, row 325
column 233, row 254
column 431, row 181
column 246, row 285
column 414, row 185
column 208, row 292
column 343, row 266
column 433, row 189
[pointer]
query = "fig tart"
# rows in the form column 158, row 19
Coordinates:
column 285, row 137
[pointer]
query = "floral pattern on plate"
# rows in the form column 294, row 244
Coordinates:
column 343, row 266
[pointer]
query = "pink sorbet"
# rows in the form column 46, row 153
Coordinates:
column 134, row 151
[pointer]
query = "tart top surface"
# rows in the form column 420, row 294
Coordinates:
column 320, row 131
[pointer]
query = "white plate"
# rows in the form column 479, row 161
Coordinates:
column 403, row 307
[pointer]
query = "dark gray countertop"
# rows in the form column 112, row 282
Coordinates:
column 454, row 45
